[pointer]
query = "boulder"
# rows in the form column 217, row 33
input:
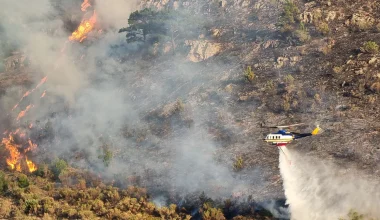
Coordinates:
column 202, row 50
column 281, row 61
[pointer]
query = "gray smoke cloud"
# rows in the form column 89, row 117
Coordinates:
column 318, row 189
column 96, row 96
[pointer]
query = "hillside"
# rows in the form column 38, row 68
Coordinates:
column 167, row 100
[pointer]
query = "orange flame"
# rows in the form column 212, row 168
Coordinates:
column 31, row 166
column 31, row 146
column 27, row 93
column 43, row 80
column 15, row 106
column 14, row 158
column 22, row 113
column 84, row 28
column 43, row 94
column 85, row 5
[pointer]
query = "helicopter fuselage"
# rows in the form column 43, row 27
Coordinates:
column 280, row 138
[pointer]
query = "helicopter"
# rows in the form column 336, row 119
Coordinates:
column 282, row 137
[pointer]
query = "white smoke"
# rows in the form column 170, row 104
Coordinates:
column 94, row 91
column 317, row 189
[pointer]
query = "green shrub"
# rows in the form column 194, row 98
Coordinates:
column 3, row 183
column 23, row 181
column 42, row 171
column 31, row 206
column 210, row 213
column 302, row 33
column 58, row 167
column 106, row 157
column 289, row 79
column 290, row 13
column 238, row 164
column 337, row 69
column 270, row 85
column 249, row 74
column 354, row 215
column 323, row 27
column 370, row 47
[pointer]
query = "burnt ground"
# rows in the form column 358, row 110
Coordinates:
column 344, row 103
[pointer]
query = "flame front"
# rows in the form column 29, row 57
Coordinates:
column 85, row 5
column 31, row 166
column 22, row 113
column 31, row 146
column 14, row 159
column 84, row 28
column 43, row 80
column 43, row 94
column 14, row 155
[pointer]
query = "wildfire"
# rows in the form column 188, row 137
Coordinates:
column 22, row 113
column 17, row 152
column 43, row 94
column 43, row 80
column 27, row 93
column 14, row 155
column 31, row 146
column 84, row 28
column 31, row 166
column 85, row 5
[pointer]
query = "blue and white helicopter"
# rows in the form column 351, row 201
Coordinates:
column 282, row 137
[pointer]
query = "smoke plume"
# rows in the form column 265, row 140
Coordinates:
column 317, row 189
column 98, row 96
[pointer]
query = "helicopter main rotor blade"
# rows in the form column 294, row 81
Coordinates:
column 286, row 126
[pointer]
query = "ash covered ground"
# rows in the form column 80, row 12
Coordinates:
column 177, row 105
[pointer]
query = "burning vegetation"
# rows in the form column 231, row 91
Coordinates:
column 168, row 110
column 85, row 27
column 17, row 152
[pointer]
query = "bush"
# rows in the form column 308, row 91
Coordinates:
column 289, row 79
column 354, row 215
column 31, row 206
column 42, row 171
column 209, row 213
column 3, row 183
column 323, row 27
column 23, row 181
column 337, row 69
column 370, row 47
column 106, row 157
column 239, row 164
column 249, row 74
column 58, row 167
column 302, row 33
column 270, row 85
column 290, row 13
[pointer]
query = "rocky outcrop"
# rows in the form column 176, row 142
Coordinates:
column 284, row 61
column 361, row 21
column 15, row 61
column 202, row 50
